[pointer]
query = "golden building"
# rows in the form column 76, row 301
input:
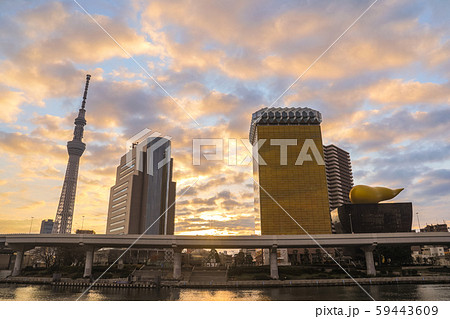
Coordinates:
column 290, row 171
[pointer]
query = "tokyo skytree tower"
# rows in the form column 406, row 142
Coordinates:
column 75, row 148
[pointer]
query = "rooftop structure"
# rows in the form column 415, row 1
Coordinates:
column 283, row 116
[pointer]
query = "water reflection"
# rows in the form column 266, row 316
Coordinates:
column 223, row 295
column 382, row 292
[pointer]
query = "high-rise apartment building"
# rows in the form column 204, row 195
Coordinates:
column 339, row 175
column 143, row 198
column 46, row 226
column 290, row 171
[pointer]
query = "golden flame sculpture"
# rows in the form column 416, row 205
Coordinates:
column 363, row 194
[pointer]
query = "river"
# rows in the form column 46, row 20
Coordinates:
column 379, row 292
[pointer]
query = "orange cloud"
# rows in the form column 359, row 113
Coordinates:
column 10, row 102
column 412, row 92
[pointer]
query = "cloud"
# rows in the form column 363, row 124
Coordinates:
column 382, row 89
column 22, row 144
column 435, row 183
column 10, row 102
column 43, row 65
column 412, row 92
column 33, row 205
column 249, row 41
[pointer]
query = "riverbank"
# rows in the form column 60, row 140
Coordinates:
column 122, row 283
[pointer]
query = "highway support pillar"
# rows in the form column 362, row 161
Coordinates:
column 273, row 263
column 89, row 261
column 177, row 263
column 18, row 263
column 370, row 264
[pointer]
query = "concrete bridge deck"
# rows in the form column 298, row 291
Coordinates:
column 280, row 241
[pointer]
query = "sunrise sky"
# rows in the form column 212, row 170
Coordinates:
column 383, row 90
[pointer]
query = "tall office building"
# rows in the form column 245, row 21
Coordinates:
column 291, row 171
column 143, row 199
column 46, row 226
column 75, row 148
column 339, row 175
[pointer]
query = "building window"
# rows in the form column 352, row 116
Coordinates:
column 119, row 198
column 116, row 229
column 125, row 170
column 117, row 223
column 128, row 174
column 119, row 186
column 118, row 210
column 121, row 191
column 128, row 164
column 118, row 204
column 118, row 216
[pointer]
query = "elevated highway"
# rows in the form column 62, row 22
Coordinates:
column 19, row 243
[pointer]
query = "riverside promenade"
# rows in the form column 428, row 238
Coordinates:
column 123, row 283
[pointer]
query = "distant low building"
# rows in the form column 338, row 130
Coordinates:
column 85, row 231
column 153, row 256
column 46, row 226
column 433, row 251
column 282, row 257
column 435, row 228
column 429, row 254
column 195, row 257
column 225, row 259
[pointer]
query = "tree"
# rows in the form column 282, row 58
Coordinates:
column 248, row 260
column 73, row 256
column 319, row 255
column 305, row 257
column 240, row 258
column 45, row 255
column 212, row 257
column 395, row 254
column 216, row 256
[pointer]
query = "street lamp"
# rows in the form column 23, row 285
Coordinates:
column 82, row 223
column 418, row 221
column 351, row 223
column 31, row 224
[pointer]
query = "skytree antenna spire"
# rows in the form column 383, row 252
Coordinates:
column 75, row 148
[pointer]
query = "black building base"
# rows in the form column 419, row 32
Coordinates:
column 373, row 218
